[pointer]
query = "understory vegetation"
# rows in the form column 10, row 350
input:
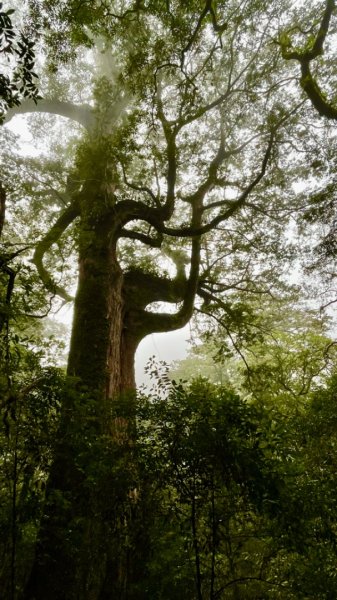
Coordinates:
column 221, row 494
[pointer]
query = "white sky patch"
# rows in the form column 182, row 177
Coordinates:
column 165, row 347
column 19, row 126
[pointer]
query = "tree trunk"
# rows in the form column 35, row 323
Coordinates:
column 95, row 349
column 92, row 473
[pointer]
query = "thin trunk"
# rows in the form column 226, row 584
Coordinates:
column 14, row 514
column 2, row 207
column 196, row 548
column 214, row 536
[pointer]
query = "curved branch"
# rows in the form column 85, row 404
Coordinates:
column 140, row 188
column 82, row 114
column 190, row 42
column 304, row 57
column 126, row 211
column 141, row 289
column 315, row 94
column 66, row 218
column 156, row 323
column 142, row 237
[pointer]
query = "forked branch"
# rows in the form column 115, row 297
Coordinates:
column 235, row 205
column 305, row 57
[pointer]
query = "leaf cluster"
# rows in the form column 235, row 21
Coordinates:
column 21, row 83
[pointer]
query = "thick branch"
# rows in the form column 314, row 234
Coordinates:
column 315, row 94
column 317, row 48
column 156, row 323
column 304, row 57
column 82, row 114
column 141, row 289
column 66, row 218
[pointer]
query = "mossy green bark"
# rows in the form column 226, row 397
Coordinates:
column 76, row 537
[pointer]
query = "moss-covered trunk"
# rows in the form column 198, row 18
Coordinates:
column 86, row 496
column 98, row 337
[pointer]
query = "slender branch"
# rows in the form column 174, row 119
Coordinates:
column 208, row 9
column 220, row 321
column 140, row 188
column 135, row 10
column 203, row 14
column 66, row 218
column 231, row 210
column 142, row 237
column 212, row 179
column 243, row 580
column 204, row 109
column 229, row 90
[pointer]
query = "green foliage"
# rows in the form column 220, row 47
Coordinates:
column 21, row 82
column 202, row 446
column 29, row 424
column 241, row 495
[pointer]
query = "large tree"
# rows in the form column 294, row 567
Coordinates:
column 188, row 134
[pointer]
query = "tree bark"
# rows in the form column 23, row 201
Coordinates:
column 79, row 522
